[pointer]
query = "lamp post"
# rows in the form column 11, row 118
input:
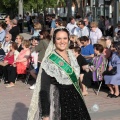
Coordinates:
column 20, row 7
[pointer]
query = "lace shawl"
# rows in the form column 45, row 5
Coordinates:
column 56, row 72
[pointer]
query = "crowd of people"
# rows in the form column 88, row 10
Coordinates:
column 65, row 61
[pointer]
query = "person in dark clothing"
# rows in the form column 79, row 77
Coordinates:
column 15, row 30
column 2, row 55
column 20, row 23
column 109, row 31
column 59, row 96
column 19, row 40
column 84, row 69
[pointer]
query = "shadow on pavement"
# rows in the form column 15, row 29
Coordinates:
column 20, row 112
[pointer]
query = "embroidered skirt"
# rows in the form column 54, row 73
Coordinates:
column 72, row 105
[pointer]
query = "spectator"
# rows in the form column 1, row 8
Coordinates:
column 2, row 31
column 37, row 29
column 2, row 55
column 107, row 23
column 9, row 70
column 34, row 42
column 109, row 31
column 87, row 50
column 14, row 30
column 95, row 33
column 19, row 40
column 58, row 23
column 117, row 29
column 72, row 25
column 28, row 22
column 83, row 67
column 87, row 24
column 109, row 41
column 34, row 61
column 73, row 40
column 40, row 48
column 106, row 51
column 20, row 23
column 83, row 31
column 112, row 75
column 22, row 61
column 6, row 43
column 101, row 24
column 97, row 67
column 8, row 23
column 53, row 26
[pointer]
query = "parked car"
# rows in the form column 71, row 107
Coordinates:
column 2, row 16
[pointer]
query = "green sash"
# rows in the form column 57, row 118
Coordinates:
column 67, row 69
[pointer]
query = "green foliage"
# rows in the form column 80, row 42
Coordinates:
column 7, row 5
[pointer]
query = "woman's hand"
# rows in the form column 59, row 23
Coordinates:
column 45, row 118
column 5, row 61
column 110, row 68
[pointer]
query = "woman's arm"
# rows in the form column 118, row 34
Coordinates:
column 25, row 58
column 44, row 95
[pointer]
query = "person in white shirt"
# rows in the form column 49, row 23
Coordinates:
column 95, row 33
column 117, row 29
column 6, row 43
column 83, row 30
column 72, row 25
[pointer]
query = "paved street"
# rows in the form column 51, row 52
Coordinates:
column 14, row 102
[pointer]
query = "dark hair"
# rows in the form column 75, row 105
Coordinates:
column 82, row 22
column 59, row 22
column 57, row 30
column 75, row 48
column 45, row 34
column 71, row 18
column 2, row 24
column 83, row 38
column 14, row 45
column 98, row 47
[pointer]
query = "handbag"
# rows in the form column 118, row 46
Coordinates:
column 111, row 72
column 21, row 68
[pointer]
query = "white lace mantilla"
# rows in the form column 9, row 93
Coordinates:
column 56, row 72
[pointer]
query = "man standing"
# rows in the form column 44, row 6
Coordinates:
column 28, row 22
column 7, row 21
column 53, row 26
column 87, row 24
column 72, row 25
column 15, row 29
column 83, row 31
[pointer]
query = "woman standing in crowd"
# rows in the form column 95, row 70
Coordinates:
column 19, row 40
column 95, row 33
column 40, row 50
column 57, row 92
column 112, row 75
column 9, row 70
column 42, row 46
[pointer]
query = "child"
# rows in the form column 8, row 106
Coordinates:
column 84, row 68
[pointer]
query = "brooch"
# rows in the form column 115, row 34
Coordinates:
column 61, row 63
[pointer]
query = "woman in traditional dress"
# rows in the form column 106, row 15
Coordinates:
column 57, row 94
column 112, row 75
